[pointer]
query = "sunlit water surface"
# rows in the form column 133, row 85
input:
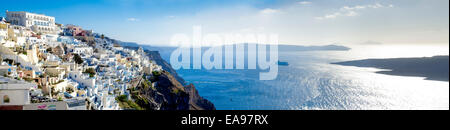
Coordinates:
column 310, row 82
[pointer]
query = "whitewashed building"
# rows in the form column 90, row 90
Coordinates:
column 83, row 80
column 3, row 31
column 37, row 22
column 83, row 50
column 14, row 92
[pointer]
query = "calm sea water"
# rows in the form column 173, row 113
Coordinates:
column 310, row 82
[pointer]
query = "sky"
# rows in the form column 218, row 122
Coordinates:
column 297, row 22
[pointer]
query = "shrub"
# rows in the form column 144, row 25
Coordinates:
column 142, row 101
column 156, row 73
column 122, row 98
column 90, row 71
column 77, row 59
column 134, row 105
column 147, row 84
column 176, row 91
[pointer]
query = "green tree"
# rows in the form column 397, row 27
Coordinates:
column 90, row 71
column 122, row 98
column 156, row 73
column 77, row 59
column 49, row 50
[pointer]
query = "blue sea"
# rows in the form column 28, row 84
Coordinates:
column 310, row 82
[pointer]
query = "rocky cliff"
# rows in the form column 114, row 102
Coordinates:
column 196, row 101
column 155, row 56
column 169, row 92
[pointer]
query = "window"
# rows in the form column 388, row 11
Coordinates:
column 6, row 99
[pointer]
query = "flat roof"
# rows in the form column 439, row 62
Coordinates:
column 30, row 13
column 11, row 84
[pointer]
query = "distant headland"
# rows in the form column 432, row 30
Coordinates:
column 433, row 68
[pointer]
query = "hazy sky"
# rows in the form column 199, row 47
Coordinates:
column 306, row 22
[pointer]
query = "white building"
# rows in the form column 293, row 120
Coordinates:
column 109, row 103
column 83, row 80
column 37, row 22
column 20, row 31
column 58, row 72
column 83, row 50
column 3, row 31
column 14, row 92
column 21, row 41
column 34, row 40
column 51, row 37
column 32, row 55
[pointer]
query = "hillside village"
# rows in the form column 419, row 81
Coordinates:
column 49, row 66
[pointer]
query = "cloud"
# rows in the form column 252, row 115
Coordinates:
column 269, row 11
column 358, row 7
column 304, row 2
column 330, row 16
column 353, row 11
column 132, row 19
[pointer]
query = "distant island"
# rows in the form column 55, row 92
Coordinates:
column 166, row 51
column 433, row 68
column 313, row 48
column 281, row 47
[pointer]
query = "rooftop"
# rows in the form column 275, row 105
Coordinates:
column 29, row 13
column 9, row 84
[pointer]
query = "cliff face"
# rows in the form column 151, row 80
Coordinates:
column 169, row 94
column 155, row 56
column 196, row 101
